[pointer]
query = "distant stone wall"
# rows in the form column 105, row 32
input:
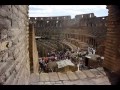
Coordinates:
column 89, row 20
column 86, row 28
column 14, row 43
column 50, row 25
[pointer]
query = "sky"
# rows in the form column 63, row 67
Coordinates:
column 64, row 10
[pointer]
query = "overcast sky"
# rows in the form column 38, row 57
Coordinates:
column 63, row 10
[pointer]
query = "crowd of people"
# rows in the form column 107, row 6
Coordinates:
column 48, row 64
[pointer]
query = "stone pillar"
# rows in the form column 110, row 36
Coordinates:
column 112, row 47
column 34, row 63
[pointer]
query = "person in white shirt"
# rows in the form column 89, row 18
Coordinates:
column 55, row 57
column 93, row 51
column 78, row 65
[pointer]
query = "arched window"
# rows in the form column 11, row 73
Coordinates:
column 90, row 15
column 47, row 21
column 82, row 16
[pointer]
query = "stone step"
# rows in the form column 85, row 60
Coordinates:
column 101, row 80
column 83, row 82
column 72, row 76
column 62, row 76
column 88, row 73
column 80, row 74
column 101, row 70
column 84, row 77
column 53, row 76
column 34, row 77
column 44, row 77
column 96, row 73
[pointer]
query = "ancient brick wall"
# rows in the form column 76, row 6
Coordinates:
column 89, row 20
column 89, row 29
column 46, row 24
column 14, row 54
column 112, row 45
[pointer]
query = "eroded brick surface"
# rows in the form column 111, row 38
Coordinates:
column 13, row 44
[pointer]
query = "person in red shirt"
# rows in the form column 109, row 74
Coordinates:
column 46, row 59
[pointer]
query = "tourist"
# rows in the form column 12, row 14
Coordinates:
column 46, row 59
column 41, row 64
column 78, row 65
column 48, row 54
column 44, row 65
column 55, row 57
column 81, row 65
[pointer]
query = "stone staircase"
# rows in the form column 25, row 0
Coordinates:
column 85, row 77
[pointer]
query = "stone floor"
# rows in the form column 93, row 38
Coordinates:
column 86, row 77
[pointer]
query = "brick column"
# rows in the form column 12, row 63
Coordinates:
column 112, row 47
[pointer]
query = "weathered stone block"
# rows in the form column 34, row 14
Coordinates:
column 5, row 23
column 9, row 81
column 5, row 57
column 14, row 30
column 2, row 79
column 6, row 11
column 5, row 45
column 4, row 67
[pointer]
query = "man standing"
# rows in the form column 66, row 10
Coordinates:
column 41, row 64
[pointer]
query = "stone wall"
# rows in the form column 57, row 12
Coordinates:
column 89, row 20
column 14, row 43
column 50, row 25
column 63, row 22
column 112, row 46
column 85, row 28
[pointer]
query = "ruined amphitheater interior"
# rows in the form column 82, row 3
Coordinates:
column 59, row 49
